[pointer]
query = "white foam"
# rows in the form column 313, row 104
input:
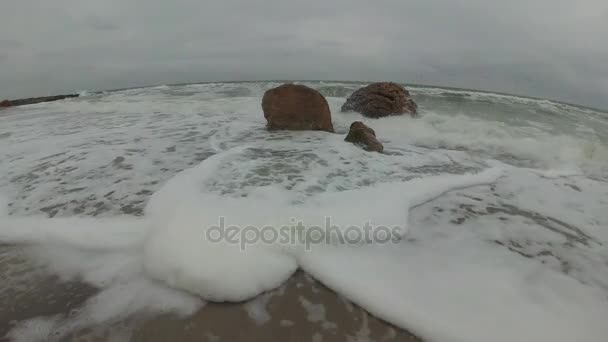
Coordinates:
column 85, row 233
column 544, row 148
column 256, row 309
column 180, row 253
column 182, row 257
column 114, row 304
column 316, row 312
column 460, row 289
column 37, row 329
column 443, row 281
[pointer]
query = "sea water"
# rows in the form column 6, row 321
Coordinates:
column 496, row 206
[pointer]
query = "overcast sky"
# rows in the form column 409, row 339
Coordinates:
column 546, row 48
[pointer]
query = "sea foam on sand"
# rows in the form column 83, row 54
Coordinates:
column 521, row 259
column 179, row 253
column 443, row 285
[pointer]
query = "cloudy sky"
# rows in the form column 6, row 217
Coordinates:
column 547, row 48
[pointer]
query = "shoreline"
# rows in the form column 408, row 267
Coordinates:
column 301, row 309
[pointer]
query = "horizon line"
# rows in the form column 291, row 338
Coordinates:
column 419, row 85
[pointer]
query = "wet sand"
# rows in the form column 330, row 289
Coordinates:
column 300, row 310
column 27, row 291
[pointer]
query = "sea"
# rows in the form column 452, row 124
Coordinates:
column 484, row 219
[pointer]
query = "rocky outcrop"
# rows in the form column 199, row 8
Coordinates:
column 362, row 135
column 296, row 107
column 34, row 100
column 381, row 99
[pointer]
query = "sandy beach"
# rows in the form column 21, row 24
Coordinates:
column 300, row 310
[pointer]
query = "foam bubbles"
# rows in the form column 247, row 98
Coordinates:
column 457, row 288
column 498, row 220
column 180, row 251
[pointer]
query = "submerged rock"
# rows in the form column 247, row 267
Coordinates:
column 361, row 134
column 381, row 99
column 296, row 107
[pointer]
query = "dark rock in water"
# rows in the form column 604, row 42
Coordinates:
column 361, row 134
column 296, row 107
column 381, row 99
column 34, row 100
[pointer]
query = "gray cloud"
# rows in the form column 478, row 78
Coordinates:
column 544, row 48
column 98, row 23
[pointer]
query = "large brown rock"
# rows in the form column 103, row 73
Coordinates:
column 5, row 103
column 296, row 107
column 381, row 99
column 362, row 135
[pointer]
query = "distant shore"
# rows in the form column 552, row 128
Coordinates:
column 34, row 100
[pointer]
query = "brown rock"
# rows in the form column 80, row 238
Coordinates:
column 362, row 135
column 5, row 103
column 296, row 107
column 381, row 99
